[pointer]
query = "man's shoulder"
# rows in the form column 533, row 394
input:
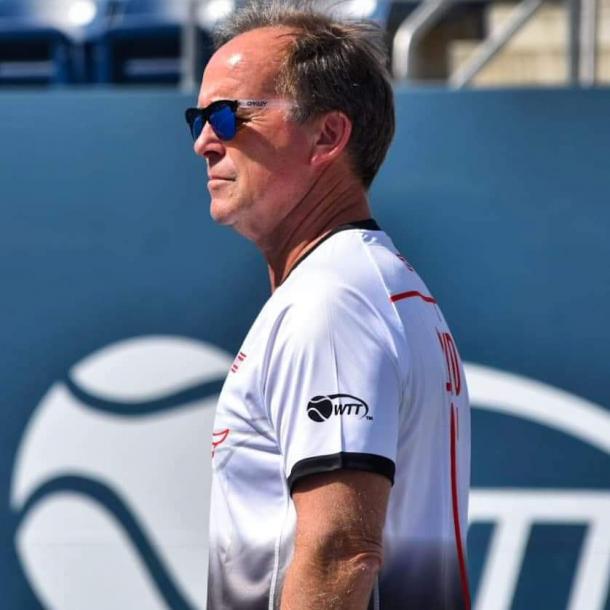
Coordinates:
column 316, row 289
column 357, row 265
column 331, row 287
column 324, row 296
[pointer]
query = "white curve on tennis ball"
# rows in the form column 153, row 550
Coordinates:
column 72, row 566
column 158, row 463
column 503, row 392
column 149, row 368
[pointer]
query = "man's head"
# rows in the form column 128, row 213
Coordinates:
column 330, row 65
column 333, row 80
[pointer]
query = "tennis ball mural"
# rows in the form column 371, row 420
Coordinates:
column 111, row 481
column 112, row 477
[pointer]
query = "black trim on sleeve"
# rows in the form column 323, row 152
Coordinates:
column 368, row 462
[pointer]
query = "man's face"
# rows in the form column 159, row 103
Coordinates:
column 257, row 178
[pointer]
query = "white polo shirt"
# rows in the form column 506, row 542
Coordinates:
column 349, row 365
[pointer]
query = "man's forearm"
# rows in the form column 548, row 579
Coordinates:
column 312, row 583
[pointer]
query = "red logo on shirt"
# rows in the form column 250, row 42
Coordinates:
column 408, row 265
column 240, row 358
column 218, row 438
column 454, row 381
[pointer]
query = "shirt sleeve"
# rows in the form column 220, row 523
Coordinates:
column 332, row 386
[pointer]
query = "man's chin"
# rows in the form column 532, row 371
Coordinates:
column 221, row 212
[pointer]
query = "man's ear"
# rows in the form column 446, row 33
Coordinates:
column 331, row 137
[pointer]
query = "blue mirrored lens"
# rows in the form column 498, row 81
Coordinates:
column 223, row 122
column 197, row 127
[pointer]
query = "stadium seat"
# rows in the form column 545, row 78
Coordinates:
column 44, row 41
column 144, row 42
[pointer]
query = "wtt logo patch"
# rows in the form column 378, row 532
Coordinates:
column 321, row 408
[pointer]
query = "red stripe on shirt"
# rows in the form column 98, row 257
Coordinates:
column 410, row 294
column 456, row 512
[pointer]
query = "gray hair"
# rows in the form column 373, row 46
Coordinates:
column 330, row 65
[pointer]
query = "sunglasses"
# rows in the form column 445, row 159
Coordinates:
column 222, row 115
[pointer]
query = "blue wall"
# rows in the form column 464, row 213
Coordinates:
column 500, row 199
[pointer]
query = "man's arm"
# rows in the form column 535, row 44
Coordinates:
column 338, row 542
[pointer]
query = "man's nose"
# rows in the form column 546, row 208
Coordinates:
column 207, row 142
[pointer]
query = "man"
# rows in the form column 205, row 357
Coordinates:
column 341, row 442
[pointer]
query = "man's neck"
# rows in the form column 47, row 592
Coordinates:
column 345, row 201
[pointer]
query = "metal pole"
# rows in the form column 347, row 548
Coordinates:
column 589, row 42
column 188, row 57
column 574, row 14
column 410, row 32
column 490, row 47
